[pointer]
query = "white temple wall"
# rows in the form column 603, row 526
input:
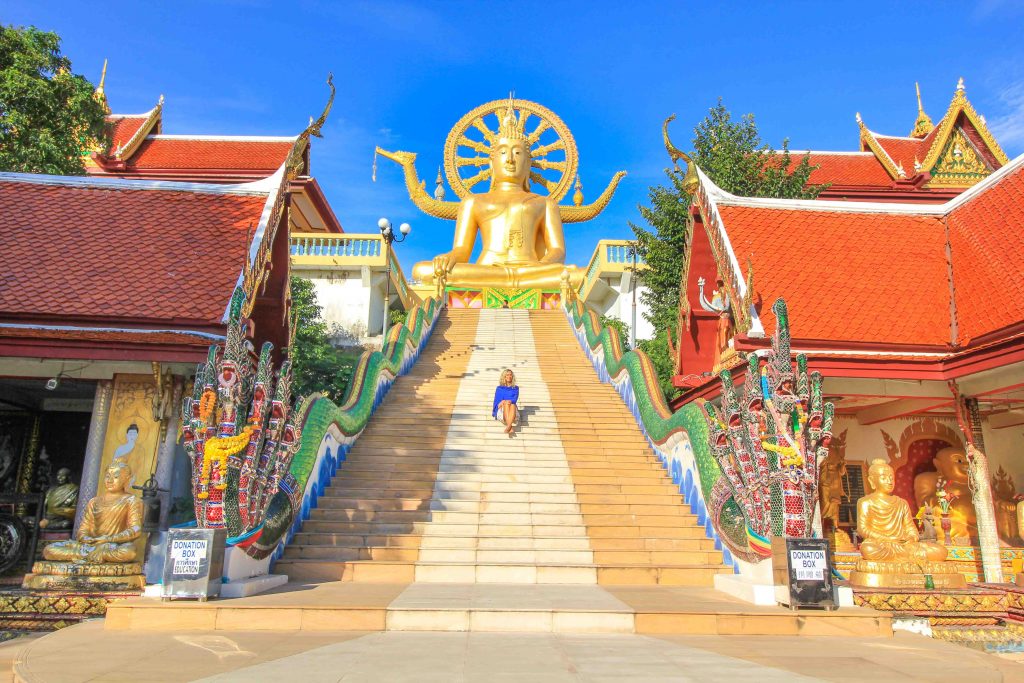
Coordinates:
column 352, row 303
column 1005, row 447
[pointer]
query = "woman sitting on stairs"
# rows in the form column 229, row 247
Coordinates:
column 506, row 398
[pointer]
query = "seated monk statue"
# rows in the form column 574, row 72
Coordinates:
column 523, row 241
column 885, row 523
column 61, row 503
column 951, row 465
column 111, row 524
column 890, row 544
column 1004, row 500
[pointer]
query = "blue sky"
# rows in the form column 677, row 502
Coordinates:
column 406, row 72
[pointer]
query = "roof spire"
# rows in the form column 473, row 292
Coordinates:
column 923, row 125
column 100, row 94
column 960, row 84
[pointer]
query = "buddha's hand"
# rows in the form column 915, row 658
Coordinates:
column 97, row 554
column 443, row 263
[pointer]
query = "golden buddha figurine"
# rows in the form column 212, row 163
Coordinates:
column 103, row 554
column 893, row 554
column 1004, row 498
column 523, row 244
column 951, row 465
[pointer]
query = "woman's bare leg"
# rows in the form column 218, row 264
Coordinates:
column 510, row 416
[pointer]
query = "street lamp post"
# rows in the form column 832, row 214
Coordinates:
column 389, row 237
column 632, row 286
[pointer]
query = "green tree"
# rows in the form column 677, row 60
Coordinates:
column 621, row 326
column 317, row 365
column 732, row 154
column 49, row 116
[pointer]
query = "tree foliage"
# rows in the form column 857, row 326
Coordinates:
column 317, row 365
column 732, row 154
column 620, row 325
column 49, row 117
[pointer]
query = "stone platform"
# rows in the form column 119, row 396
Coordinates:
column 25, row 610
column 351, row 606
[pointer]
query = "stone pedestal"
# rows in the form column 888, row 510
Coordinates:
column 81, row 577
column 905, row 575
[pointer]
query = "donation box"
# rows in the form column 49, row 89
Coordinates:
column 193, row 563
column 802, row 569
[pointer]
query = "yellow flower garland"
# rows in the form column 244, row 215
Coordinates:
column 218, row 449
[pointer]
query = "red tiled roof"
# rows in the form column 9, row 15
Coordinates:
column 95, row 249
column 159, row 152
column 905, row 150
column 879, row 273
column 847, row 276
column 162, row 338
column 122, row 128
column 848, row 169
column 988, row 257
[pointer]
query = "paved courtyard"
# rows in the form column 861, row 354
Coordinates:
column 88, row 653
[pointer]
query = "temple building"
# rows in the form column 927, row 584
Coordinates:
column 115, row 286
column 905, row 305
column 933, row 163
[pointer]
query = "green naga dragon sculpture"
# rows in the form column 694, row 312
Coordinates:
column 768, row 441
column 259, row 459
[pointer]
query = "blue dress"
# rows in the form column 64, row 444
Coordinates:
column 503, row 393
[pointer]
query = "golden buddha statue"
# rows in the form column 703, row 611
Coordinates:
column 523, row 244
column 1004, row 498
column 61, row 502
column 951, row 465
column 103, row 554
column 893, row 554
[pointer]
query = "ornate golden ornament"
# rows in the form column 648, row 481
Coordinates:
column 467, row 151
column 960, row 164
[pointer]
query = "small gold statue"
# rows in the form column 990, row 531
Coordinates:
column 60, row 503
column 951, row 466
column 893, row 555
column 103, row 555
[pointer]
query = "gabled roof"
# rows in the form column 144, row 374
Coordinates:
column 197, row 152
column 124, row 253
column 127, row 131
column 899, row 162
column 900, row 277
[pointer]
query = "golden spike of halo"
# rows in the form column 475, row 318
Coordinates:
column 474, row 145
column 577, row 196
column 482, row 127
column 482, row 175
column 472, row 161
column 541, row 180
column 547, row 149
column 533, row 137
column 546, row 165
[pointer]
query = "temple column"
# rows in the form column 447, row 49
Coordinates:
column 984, row 510
column 166, row 450
column 94, row 446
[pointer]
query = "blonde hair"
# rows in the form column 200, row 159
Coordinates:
column 501, row 379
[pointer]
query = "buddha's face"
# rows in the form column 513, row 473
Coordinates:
column 63, row 476
column 882, row 478
column 951, row 463
column 116, row 479
column 510, row 161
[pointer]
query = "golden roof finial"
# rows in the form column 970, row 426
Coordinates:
column 103, row 80
column 923, row 125
column 960, row 85
column 439, row 186
column 511, row 128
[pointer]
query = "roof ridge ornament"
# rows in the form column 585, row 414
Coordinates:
column 923, row 125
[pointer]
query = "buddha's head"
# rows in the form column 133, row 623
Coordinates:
column 63, row 475
column 951, row 463
column 881, row 476
column 117, row 477
column 510, row 153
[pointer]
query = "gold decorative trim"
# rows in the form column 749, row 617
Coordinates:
column 961, row 104
column 868, row 138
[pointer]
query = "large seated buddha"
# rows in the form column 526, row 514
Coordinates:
column 523, row 244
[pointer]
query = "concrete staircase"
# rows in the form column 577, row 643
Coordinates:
column 435, row 492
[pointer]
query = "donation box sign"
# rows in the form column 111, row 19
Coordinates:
column 193, row 563
column 804, row 566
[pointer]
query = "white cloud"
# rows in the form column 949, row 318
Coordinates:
column 1008, row 127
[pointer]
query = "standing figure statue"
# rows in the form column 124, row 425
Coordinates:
column 61, row 503
column 719, row 304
